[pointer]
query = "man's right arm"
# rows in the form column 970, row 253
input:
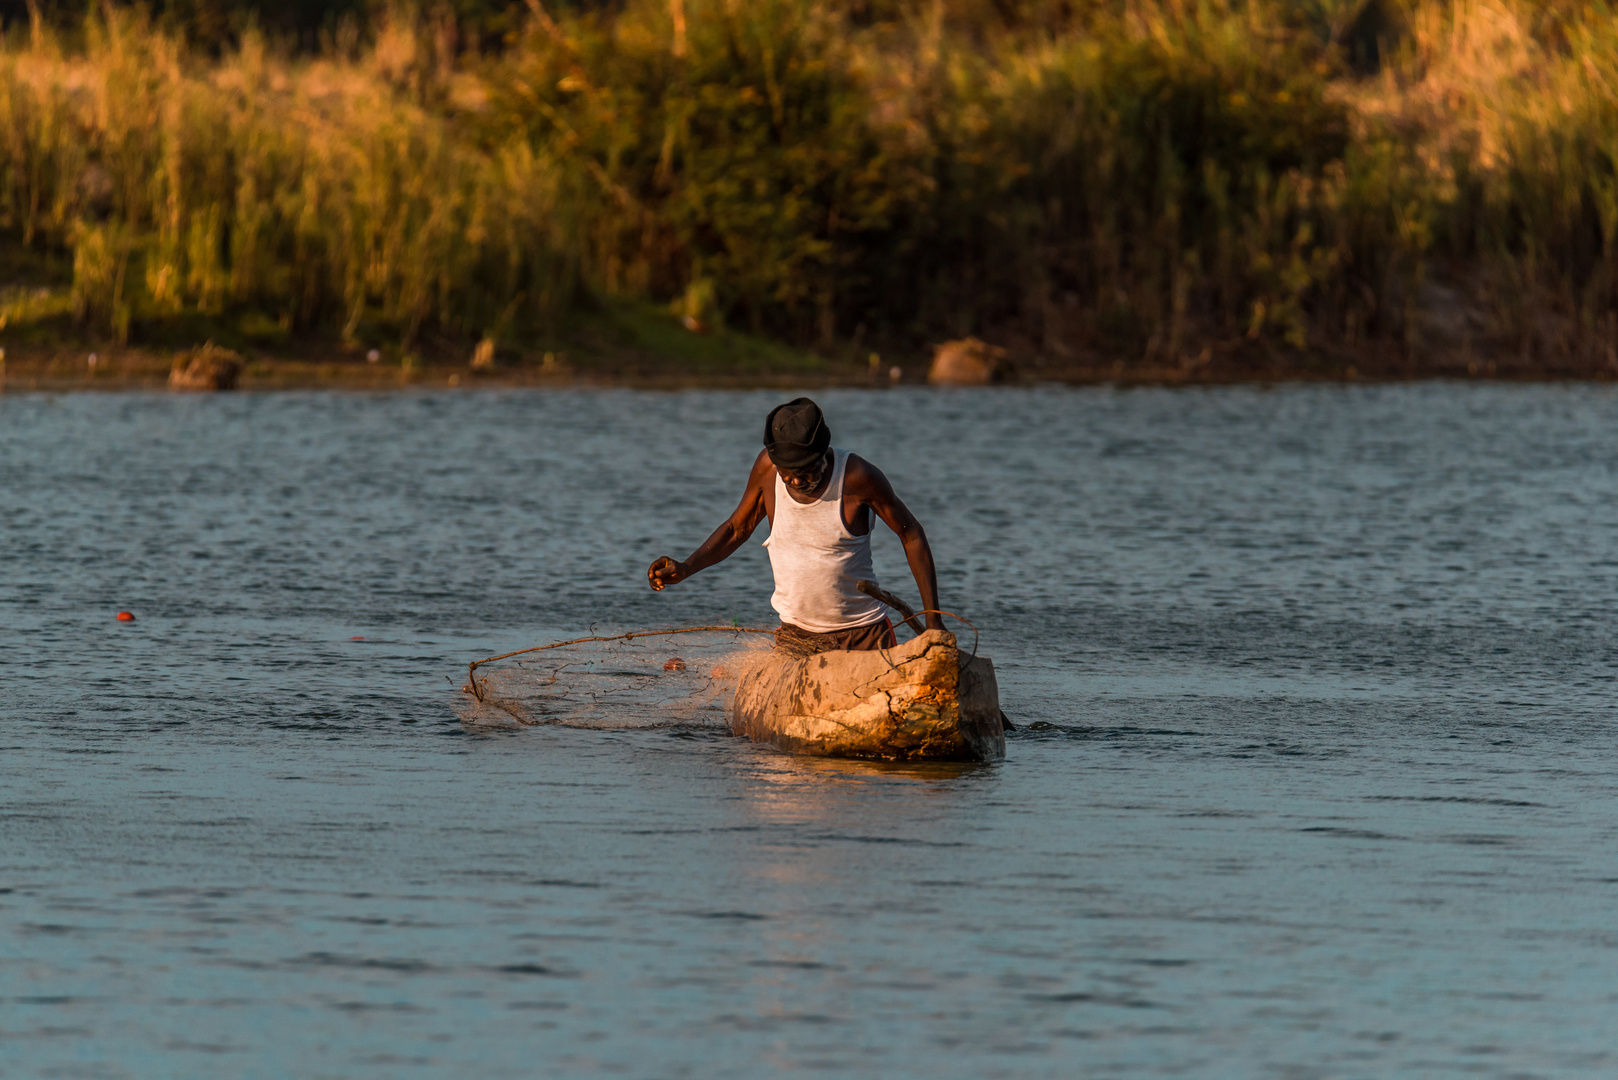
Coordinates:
column 726, row 540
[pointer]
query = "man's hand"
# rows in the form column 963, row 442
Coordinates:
column 727, row 539
column 665, row 571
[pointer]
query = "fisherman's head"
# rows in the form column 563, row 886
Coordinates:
column 798, row 441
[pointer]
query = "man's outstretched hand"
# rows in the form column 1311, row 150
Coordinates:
column 665, row 571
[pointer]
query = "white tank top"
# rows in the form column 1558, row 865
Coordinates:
column 817, row 560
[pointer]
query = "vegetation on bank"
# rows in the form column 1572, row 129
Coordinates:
column 1110, row 186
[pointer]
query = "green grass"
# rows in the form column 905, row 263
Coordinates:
column 628, row 335
column 1148, row 183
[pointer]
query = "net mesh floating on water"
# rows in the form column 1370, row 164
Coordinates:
column 639, row 680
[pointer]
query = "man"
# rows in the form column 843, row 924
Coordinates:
column 820, row 501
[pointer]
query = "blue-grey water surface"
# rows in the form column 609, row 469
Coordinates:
column 1315, row 776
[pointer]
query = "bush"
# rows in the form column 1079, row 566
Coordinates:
column 1144, row 181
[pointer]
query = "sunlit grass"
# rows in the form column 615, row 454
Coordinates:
column 326, row 193
column 1155, row 181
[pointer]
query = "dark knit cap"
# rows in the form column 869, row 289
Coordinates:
column 795, row 434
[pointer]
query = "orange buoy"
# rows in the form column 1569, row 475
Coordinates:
column 357, row 637
column 674, row 664
column 124, row 616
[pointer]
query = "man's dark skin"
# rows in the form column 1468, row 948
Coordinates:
column 863, row 486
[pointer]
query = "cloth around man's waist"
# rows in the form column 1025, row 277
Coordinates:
column 796, row 641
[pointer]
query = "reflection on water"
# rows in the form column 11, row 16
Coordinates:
column 1314, row 775
column 789, row 789
column 815, row 771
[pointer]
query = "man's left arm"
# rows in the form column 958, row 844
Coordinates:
column 867, row 484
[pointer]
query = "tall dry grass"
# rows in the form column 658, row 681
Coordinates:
column 337, row 191
column 1510, row 110
column 1146, row 180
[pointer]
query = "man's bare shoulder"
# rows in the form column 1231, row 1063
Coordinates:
column 859, row 470
column 760, row 490
column 763, row 469
column 866, row 482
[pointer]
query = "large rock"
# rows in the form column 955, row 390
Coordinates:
column 968, row 362
column 921, row 700
column 207, row 368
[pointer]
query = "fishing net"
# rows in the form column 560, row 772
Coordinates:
column 640, row 680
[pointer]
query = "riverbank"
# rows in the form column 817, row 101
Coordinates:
column 623, row 342
column 115, row 369
column 614, row 342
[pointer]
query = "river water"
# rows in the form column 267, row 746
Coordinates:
column 1314, row 776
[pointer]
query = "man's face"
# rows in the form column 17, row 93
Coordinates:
column 803, row 481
